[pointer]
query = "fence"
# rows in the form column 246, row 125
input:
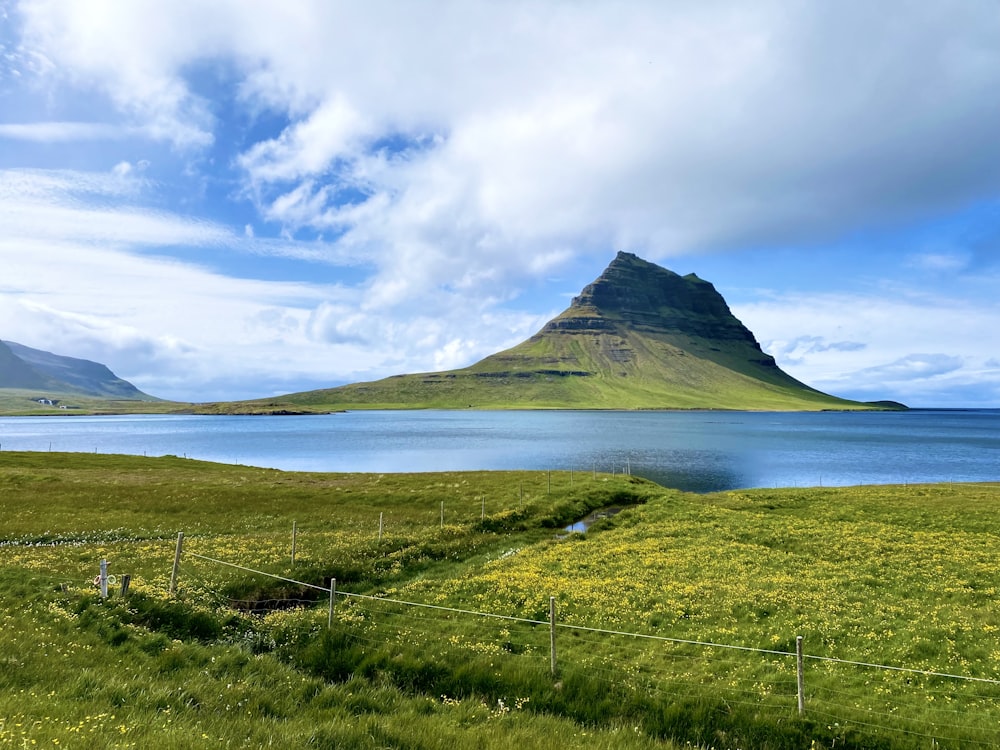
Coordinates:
column 738, row 675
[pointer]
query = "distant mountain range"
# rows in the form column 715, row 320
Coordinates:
column 54, row 377
column 639, row 337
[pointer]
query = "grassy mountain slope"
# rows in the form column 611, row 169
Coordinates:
column 66, row 374
column 639, row 337
column 27, row 375
column 17, row 373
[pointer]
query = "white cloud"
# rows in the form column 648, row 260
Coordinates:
column 131, row 53
column 798, row 349
column 76, row 280
column 63, row 185
column 55, row 132
column 105, row 209
column 308, row 147
column 26, row 216
column 655, row 127
column 167, row 326
column 914, row 367
column 941, row 262
column 901, row 346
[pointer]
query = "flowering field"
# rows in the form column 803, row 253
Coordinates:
column 676, row 619
column 885, row 576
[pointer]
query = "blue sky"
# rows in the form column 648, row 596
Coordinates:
column 222, row 199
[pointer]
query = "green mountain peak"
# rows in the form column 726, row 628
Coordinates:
column 638, row 337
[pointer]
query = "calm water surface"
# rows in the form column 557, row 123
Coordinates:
column 698, row 451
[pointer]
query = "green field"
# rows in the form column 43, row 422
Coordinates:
column 20, row 402
column 676, row 619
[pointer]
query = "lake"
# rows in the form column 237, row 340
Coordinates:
column 700, row 451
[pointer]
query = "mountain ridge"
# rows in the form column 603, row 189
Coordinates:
column 639, row 337
column 28, row 369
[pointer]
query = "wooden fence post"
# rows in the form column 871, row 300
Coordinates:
column 442, row 514
column 177, row 563
column 482, row 515
column 126, row 580
column 380, row 528
column 552, row 635
column 548, row 475
column 333, row 598
column 294, row 535
column 801, row 675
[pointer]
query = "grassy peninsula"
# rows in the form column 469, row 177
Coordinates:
column 900, row 576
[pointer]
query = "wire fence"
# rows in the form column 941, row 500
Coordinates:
column 920, row 707
column 926, row 708
column 846, row 695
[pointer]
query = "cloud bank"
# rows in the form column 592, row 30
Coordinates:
column 458, row 156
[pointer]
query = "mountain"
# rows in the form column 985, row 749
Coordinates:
column 51, row 375
column 639, row 337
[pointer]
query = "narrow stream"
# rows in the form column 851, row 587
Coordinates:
column 585, row 523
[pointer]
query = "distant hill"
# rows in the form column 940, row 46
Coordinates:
column 51, row 375
column 639, row 337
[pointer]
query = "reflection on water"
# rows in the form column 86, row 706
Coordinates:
column 695, row 451
column 585, row 523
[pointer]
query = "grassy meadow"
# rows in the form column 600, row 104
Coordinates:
column 16, row 402
column 676, row 618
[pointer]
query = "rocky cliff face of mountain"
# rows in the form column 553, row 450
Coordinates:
column 647, row 297
column 634, row 296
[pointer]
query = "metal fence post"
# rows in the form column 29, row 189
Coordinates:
column 801, row 675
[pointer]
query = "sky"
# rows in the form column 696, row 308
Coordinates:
column 228, row 199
